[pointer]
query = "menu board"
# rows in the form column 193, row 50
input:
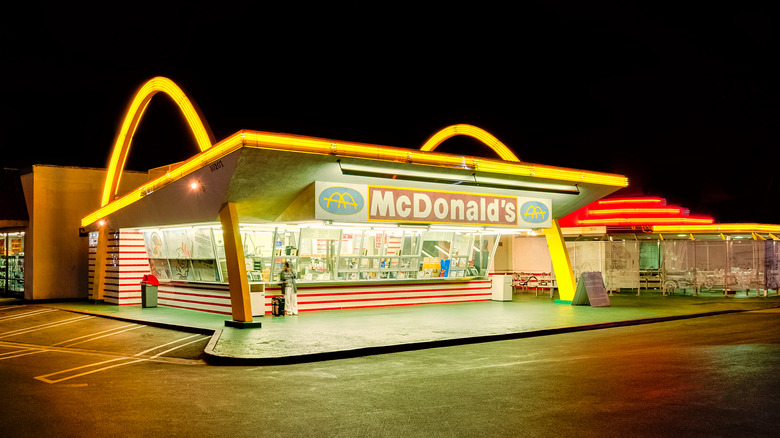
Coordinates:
column 179, row 243
column 160, row 269
column 591, row 291
column 155, row 247
column 202, row 244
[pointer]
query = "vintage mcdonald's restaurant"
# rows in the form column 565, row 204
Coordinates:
column 362, row 225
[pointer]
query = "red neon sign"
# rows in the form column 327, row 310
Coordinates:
column 632, row 211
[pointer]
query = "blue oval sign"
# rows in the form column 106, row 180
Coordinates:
column 534, row 212
column 341, row 200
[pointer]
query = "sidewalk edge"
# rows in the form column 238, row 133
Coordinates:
column 215, row 358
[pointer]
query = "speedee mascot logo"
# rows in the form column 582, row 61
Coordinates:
column 534, row 212
column 341, row 200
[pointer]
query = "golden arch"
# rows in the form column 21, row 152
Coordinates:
column 341, row 202
column 472, row 131
column 135, row 111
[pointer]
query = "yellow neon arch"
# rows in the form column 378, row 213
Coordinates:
column 135, row 111
column 472, row 131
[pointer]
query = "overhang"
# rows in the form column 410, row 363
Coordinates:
column 270, row 178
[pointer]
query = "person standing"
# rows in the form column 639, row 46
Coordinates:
column 288, row 277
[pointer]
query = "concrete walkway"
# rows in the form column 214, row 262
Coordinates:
column 325, row 335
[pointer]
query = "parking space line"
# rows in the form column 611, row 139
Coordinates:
column 42, row 326
column 164, row 345
column 45, row 377
column 26, row 352
column 11, row 307
column 92, row 334
column 103, row 336
column 25, row 315
column 14, row 351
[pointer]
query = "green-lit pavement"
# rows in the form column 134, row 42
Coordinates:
column 323, row 335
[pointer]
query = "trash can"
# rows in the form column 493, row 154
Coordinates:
column 149, row 287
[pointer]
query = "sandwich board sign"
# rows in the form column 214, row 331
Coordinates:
column 591, row 291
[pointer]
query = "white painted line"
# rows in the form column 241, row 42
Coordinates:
column 104, row 336
column 176, row 348
column 27, row 353
column 11, row 307
column 164, row 345
column 92, row 334
column 42, row 326
column 14, row 351
column 45, row 377
column 25, row 315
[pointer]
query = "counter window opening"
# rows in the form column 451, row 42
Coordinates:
column 320, row 254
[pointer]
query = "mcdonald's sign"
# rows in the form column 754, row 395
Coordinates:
column 372, row 203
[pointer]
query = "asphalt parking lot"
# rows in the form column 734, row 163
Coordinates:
column 63, row 346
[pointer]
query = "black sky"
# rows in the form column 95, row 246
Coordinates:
column 682, row 100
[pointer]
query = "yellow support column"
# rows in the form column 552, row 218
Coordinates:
column 101, row 252
column 234, row 256
column 567, row 285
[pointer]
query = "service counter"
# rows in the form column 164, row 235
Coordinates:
column 329, row 295
column 336, row 268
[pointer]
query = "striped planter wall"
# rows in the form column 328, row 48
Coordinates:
column 126, row 265
column 212, row 298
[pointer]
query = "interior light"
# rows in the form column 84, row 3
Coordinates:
column 442, row 250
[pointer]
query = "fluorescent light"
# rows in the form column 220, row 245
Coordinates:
column 468, row 179
column 442, row 250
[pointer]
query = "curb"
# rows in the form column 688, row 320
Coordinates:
column 217, row 359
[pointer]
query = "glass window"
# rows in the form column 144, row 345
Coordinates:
column 259, row 253
column 286, row 243
column 321, row 254
column 483, row 249
column 318, row 248
column 183, row 254
column 13, row 262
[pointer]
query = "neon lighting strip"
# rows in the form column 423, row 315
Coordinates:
column 133, row 116
column 618, row 211
column 717, row 228
column 472, row 131
column 631, row 200
column 219, row 150
column 287, row 142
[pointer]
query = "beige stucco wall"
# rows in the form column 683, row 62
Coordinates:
column 502, row 261
column 56, row 257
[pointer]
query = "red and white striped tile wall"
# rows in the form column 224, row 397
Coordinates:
column 385, row 295
column 212, row 298
column 126, row 265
